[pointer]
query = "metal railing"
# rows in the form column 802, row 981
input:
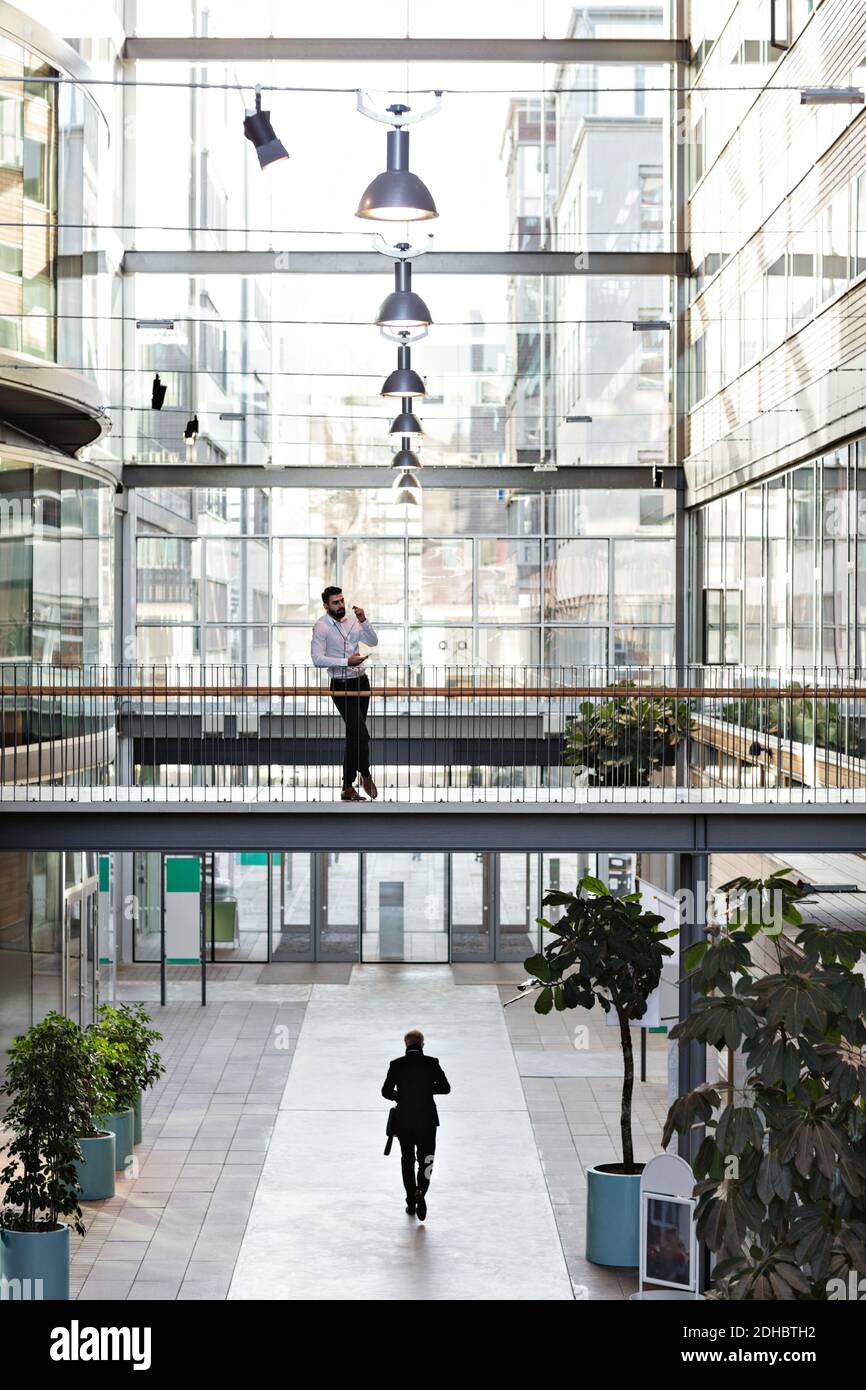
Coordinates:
column 543, row 734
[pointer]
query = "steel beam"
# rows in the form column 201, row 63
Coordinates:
column 275, row 261
column 254, row 49
column 345, row 476
column 399, row 826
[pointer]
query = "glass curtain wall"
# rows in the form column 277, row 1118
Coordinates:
column 784, row 568
column 488, row 577
column 377, row 906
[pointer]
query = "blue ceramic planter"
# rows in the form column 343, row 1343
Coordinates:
column 38, row 1262
column 122, row 1126
column 612, row 1216
column 95, row 1170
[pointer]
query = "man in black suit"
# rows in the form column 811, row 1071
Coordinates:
column 413, row 1081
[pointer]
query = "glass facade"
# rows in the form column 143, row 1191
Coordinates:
column 499, row 578
column 377, row 906
column 56, row 566
column 783, row 568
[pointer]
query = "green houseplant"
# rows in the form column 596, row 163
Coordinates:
column 95, row 1168
column 121, row 1089
column 782, row 1166
column 605, row 951
column 49, row 1083
column 622, row 740
column 130, row 1025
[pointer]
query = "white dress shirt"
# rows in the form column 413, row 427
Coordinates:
column 335, row 641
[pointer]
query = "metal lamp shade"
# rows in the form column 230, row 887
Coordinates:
column 403, row 381
column 406, row 423
column 403, row 309
column 398, row 195
column 405, row 458
column 407, row 489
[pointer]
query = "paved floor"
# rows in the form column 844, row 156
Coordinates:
column 261, row 1174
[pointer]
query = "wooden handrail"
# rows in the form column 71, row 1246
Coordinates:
column 452, row 692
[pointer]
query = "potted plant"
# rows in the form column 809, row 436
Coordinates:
column 130, row 1025
column 782, row 1166
column 623, row 740
column 121, row 1088
column 95, row 1168
column 605, row 951
column 49, row 1085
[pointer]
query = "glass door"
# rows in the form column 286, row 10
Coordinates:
column 516, row 926
column 80, row 911
column 404, row 907
column 291, row 906
column 337, row 905
column 472, row 902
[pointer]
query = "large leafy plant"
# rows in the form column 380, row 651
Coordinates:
column 621, row 741
column 130, row 1050
column 605, row 951
column 49, row 1082
column 782, row 1165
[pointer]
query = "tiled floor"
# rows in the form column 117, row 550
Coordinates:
column 174, row 1229
column 576, row 1118
column 261, row 1172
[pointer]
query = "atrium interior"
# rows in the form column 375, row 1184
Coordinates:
column 432, row 597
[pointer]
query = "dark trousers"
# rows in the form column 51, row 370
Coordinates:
column 420, row 1143
column 353, row 712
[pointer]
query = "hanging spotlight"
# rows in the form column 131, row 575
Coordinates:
column 403, row 381
column 406, row 423
column 397, row 195
column 404, row 457
column 157, row 393
column 403, row 309
column 406, row 489
column 191, row 430
column 258, row 129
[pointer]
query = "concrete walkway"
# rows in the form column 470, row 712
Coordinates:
column 328, row 1218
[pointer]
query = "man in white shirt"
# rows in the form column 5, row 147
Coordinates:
column 335, row 645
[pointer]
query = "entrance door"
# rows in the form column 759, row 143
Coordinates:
column 80, row 915
column 337, row 905
column 517, row 890
column 292, row 936
column 472, row 906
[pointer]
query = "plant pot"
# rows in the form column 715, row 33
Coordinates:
column 122, row 1126
column 95, row 1170
column 613, row 1215
column 38, row 1261
column 136, row 1110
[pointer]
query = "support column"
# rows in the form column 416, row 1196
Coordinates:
column 694, row 874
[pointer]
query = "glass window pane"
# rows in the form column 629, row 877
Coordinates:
column 644, row 581
column 635, row 646
column 167, row 579
column 301, row 570
column 508, row 646
column 575, row 646
column 508, row 580
column 373, row 578
column 440, row 580
column 576, row 580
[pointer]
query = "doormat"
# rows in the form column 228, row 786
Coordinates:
column 305, row 972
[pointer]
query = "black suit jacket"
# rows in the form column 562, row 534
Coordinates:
column 413, row 1081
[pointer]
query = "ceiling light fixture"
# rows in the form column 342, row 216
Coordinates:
column 191, row 430
column 397, row 195
column 406, row 489
column 651, row 326
column 403, row 381
column 167, row 324
column 403, row 309
column 578, row 419
column 157, row 393
column 404, row 457
column 258, row 129
column 406, row 423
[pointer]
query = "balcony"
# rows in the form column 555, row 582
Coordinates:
column 649, row 737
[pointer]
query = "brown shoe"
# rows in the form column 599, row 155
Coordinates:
column 370, row 787
column 349, row 794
